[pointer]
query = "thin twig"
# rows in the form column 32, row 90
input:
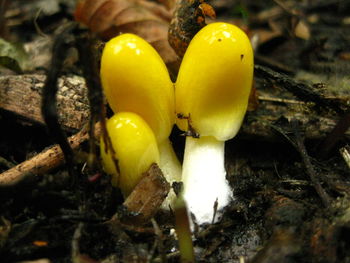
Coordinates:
column 280, row 100
column 88, row 61
column 300, row 90
column 36, row 25
column 159, row 234
column 309, row 168
column 49, row 102
column 44, row 161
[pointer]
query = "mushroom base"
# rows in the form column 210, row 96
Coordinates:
column 204, row 178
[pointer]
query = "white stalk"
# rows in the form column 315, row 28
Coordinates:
column 171, row 168
column 204, row 178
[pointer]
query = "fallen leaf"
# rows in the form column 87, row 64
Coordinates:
column 146, row 19
column 169, row 4
column 13, row 56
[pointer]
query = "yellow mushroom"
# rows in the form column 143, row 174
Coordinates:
column 212, row 91
column 135, row 79
column 135, row 149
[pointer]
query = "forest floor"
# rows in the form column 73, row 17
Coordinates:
column 289, row 166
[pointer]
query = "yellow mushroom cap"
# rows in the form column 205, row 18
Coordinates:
column 215, row 80
column 135, row 79
column 135, row 148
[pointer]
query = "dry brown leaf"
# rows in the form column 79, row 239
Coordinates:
column 169, row 4
column 146, row 19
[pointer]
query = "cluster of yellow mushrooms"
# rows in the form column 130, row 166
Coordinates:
column 210, row 94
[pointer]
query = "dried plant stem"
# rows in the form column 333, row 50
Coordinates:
column 309, row 168
column 300, row 90
column 44, row 161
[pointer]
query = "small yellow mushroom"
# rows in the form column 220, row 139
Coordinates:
column 135, row 148
column 215, row 80
column 212, row 91
column 135, row 79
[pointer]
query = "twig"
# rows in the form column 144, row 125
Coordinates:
column 36, row 25
column 280, row 100
column 300, row 90
column 49, row 100
column 88, row 61
column 159, row 234
column 44, row 161
column 309, row 168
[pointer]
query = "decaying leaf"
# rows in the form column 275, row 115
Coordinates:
column 146, row 19
column 169, row 4
column 13, row 56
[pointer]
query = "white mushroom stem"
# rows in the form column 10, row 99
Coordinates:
column 204, row 178
column 171, row 168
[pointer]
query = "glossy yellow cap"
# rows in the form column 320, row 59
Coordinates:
column 135, row 149
column 135, row 79
column 214, row 81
